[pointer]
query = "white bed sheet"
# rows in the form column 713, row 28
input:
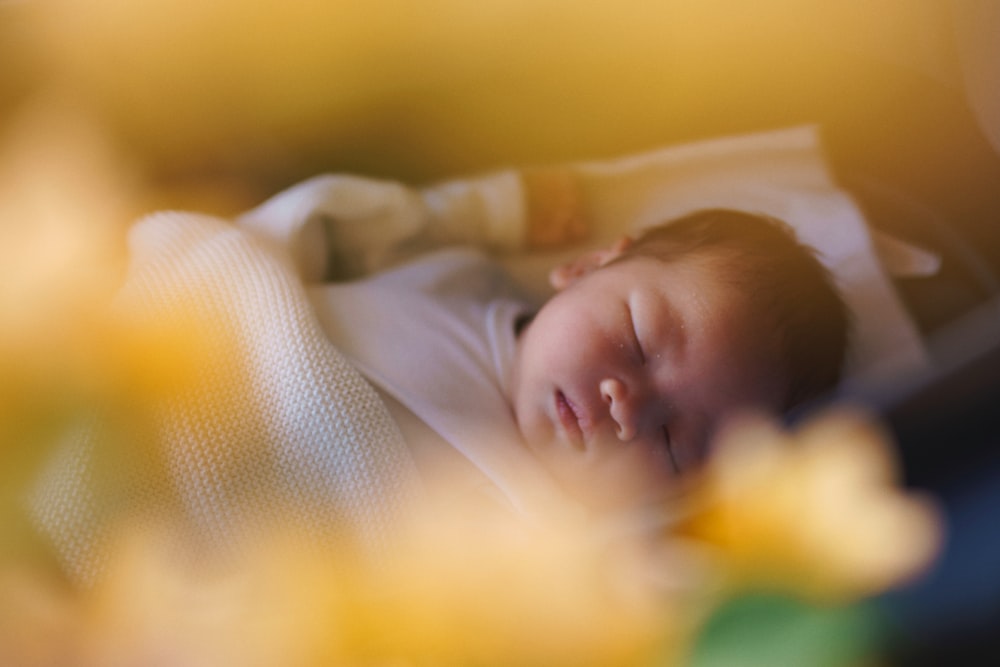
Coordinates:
column 781, row 173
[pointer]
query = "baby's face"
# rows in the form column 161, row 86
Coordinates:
column 622, row 378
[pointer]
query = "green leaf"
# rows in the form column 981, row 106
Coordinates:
column 772, row 630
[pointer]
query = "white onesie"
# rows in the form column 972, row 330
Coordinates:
column 437, row 337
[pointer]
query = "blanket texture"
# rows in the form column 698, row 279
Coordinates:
column 273, row 425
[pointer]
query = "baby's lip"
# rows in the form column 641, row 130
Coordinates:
column 569, row 420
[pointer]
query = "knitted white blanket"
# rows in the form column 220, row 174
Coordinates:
column 276, row 426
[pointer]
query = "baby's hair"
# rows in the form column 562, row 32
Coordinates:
column 783, row 278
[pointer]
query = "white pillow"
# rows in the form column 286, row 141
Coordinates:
column 779, row 173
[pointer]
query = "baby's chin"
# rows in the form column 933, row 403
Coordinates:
column 537, row 431
column 604, row 501
column 597, row 483
column 604, row 491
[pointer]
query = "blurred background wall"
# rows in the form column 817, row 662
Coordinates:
column 218, row 103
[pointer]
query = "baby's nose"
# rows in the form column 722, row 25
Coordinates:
column 621, row 407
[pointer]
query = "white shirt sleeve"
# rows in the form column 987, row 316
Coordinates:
column 488, row 210
column 346, row 226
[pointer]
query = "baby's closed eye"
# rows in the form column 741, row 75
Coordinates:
column 633, row 333
column 671, row 454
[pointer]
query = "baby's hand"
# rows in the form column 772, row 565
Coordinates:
column 555, row 208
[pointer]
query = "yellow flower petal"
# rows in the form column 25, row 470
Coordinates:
column 814, row 510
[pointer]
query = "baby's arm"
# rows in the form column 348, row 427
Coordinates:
column 342, row 227
column 338, row 226
column 532, row 208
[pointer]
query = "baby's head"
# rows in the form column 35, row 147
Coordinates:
column 623, row 377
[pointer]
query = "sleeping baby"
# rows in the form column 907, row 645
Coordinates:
column 356, row 336
column 610, row 390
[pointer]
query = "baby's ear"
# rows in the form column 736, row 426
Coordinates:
column 568, row 273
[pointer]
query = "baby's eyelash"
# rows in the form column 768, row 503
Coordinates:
column 670, row 451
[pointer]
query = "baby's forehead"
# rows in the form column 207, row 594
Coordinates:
column 712, row 268
column 694, row 292
column 704, row 293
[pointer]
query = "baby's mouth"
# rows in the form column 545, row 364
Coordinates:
column 569, row 420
